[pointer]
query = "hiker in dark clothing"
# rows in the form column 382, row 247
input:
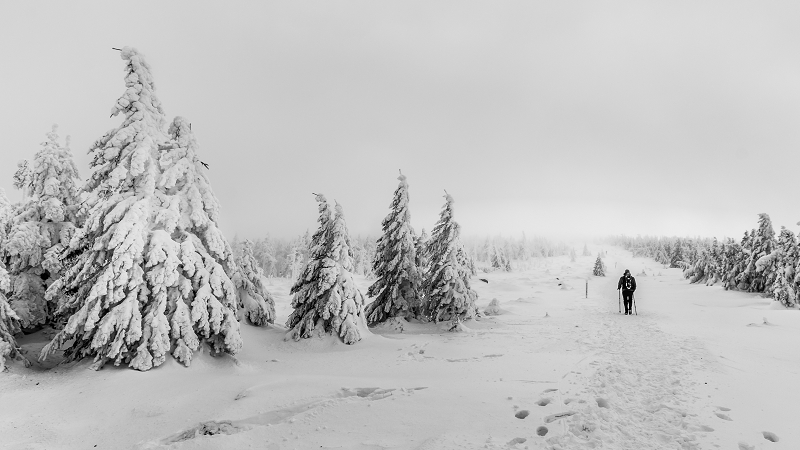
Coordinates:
column 628, row 284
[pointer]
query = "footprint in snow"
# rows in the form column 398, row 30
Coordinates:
column 554, row 417
column 723, row 416
column 770, row 436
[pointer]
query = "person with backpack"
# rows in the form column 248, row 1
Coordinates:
column 628, row 284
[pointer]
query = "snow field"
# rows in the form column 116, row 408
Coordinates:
column 553, row 370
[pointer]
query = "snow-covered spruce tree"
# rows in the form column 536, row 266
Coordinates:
column 421, row 249
column 6, row 211
column 761, row 265
column 448, row 295
column 264, row 253
column 151, row 269
column 22, row 178
column 599, row 268
column 41, row 230
column 326, row 300
column 586, row 251
column 785, row 286
column 499, row 259
column 397, row 289
column 255, row 302
column 9, row 324
column 676, row 257
column 733, row 257
column 572, row 254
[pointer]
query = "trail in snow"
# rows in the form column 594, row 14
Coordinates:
column 637, row 391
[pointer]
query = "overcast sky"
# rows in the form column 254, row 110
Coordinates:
column 544, row 117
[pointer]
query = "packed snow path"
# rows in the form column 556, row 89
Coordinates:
column 698, row 368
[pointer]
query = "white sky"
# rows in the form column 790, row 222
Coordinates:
column 549, row 117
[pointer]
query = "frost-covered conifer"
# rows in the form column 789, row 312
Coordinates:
column 255, row 302
column 151, row 269
column 448, row 295
column 499, row 259
column 6, row 211
column 22, row 178
column 9, row 324
column 599, row 268
column 264, row 253
column 326, row 300
column 676, row 257
column 397, row 289
column 761, row 263
column 785, row 286
column 586, row 251
column 572, row 254
column 41, row 229
column 421, row 249
column 733, row 257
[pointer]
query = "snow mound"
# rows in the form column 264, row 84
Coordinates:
column 494, row 308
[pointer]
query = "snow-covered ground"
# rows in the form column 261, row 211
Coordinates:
column 698, row 368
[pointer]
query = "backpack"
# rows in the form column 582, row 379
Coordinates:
column 628, row 283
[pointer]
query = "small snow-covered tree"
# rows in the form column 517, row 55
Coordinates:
column 41, row 230
column 325, row 298
column 255, row 302
column 22, row 178
column 9, row 324
column 150, row 272
column 586, row 251
column 397, row 289
column 499, row 259
column 572, row 254
column 448, row 295
column 599, row 268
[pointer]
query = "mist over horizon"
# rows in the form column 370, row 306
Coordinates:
column 553, row 119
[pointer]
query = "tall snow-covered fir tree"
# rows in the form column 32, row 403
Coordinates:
column 150, row 272
column 325, row 298
column 760, row 269
column 785, row 286
column 448, row 295
column 398, row 287
column 255, row 302
column 41, row 230
column 733, row 257
column 599, row 269
column 9, row 324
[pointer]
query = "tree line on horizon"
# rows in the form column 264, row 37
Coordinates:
column 759, row 262
column 284, row 257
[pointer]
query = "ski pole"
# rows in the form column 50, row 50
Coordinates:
column 634, row 303
column 619, row 297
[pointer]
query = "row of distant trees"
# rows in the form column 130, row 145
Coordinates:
column 284, row 258
column 759, row 262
